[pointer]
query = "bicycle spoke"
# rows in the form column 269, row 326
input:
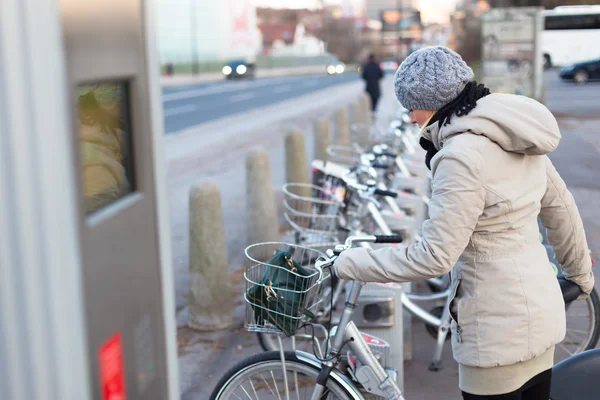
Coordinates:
column 565, row 349
column 244, row 389
column 586, row 333
column 253, row 388
column 266, row 383
column 276, row 388
column 296, row 384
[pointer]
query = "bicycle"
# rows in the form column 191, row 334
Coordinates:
column 349, row 366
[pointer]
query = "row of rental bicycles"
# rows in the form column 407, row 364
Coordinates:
column 371, row 194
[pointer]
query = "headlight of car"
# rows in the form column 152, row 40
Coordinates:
column 339, row 69
column 241, row 69
column 331, row 70
column 227, row 70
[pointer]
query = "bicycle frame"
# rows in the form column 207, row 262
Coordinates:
column 348, row 333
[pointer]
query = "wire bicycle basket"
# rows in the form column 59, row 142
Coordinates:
column 283, row 287
column 346, row 155
column 313, row 212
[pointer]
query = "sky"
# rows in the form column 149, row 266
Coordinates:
column 431, row 10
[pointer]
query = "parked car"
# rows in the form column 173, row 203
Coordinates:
column 581, row 72
column 239, row 69
column 389, row 65
column 335, row 66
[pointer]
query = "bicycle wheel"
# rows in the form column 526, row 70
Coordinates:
column 261, row 378
column 583, row 327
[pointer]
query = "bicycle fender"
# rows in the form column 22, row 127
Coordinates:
column 335, row 375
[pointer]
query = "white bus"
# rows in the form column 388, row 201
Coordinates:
column 571, row 34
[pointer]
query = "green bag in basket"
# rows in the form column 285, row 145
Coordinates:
column 279, row 296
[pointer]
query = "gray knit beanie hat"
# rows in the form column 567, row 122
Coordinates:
column 430, row 78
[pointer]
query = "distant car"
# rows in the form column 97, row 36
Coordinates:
column 335, row 67
column 239, row 69
column 389, row 65
column 581, row 72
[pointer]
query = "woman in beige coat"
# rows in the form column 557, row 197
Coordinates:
column 491, row 180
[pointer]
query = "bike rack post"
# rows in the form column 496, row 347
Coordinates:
column 210, row 301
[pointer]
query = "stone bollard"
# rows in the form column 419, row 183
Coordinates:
column 322, row 139
column 342, row 130
column 296, row 169
column 357, row 114
column 261, row 212
column 210, row 300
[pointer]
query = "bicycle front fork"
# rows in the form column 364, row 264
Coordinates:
column 367, row 369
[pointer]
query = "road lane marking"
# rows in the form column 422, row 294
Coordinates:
column 216, row 89
column 169, row 112
column 282, row 89
column 242, row 97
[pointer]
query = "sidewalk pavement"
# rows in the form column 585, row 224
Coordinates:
column 191, row 79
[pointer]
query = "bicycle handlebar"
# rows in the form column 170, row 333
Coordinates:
column 385, row 193
column 379, row 166
column 388, row 239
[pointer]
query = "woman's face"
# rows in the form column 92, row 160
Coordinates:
column 420, row 117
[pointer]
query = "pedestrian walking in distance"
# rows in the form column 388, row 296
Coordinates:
column 491, row 180
column 372, row 74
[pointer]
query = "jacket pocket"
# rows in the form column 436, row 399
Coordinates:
column 453, row 307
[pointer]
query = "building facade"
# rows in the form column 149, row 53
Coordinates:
column 204, row 31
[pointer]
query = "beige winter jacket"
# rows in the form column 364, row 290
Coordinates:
column 491, row 180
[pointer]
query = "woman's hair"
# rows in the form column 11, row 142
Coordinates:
column 463, row 104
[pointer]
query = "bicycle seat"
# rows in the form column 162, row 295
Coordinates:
column 576, row 378
column 570, row 290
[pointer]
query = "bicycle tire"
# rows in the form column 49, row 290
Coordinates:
column 572, row 343
column 242, row 372
column 594, row 298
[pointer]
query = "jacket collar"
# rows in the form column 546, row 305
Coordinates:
column 432, row 133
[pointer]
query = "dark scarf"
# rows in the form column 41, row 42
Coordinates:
column 463, row 104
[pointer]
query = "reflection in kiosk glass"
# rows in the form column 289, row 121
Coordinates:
column 105, row 143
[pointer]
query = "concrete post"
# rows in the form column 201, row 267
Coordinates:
column 296, row 169
column 261, row 212
column 210, row 300
column 342, row 130
column 357, row 114
column 322, row 139
column 365, row 101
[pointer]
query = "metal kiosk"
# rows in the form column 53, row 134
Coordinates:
column 86, row 293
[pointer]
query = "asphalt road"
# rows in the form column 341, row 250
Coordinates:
column 186, row 106
column 565, row 98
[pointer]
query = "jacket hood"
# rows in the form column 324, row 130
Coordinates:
column 518, row 124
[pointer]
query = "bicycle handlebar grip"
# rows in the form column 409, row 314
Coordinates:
column 386, row 193
column 379, row 166
column 388, row 239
